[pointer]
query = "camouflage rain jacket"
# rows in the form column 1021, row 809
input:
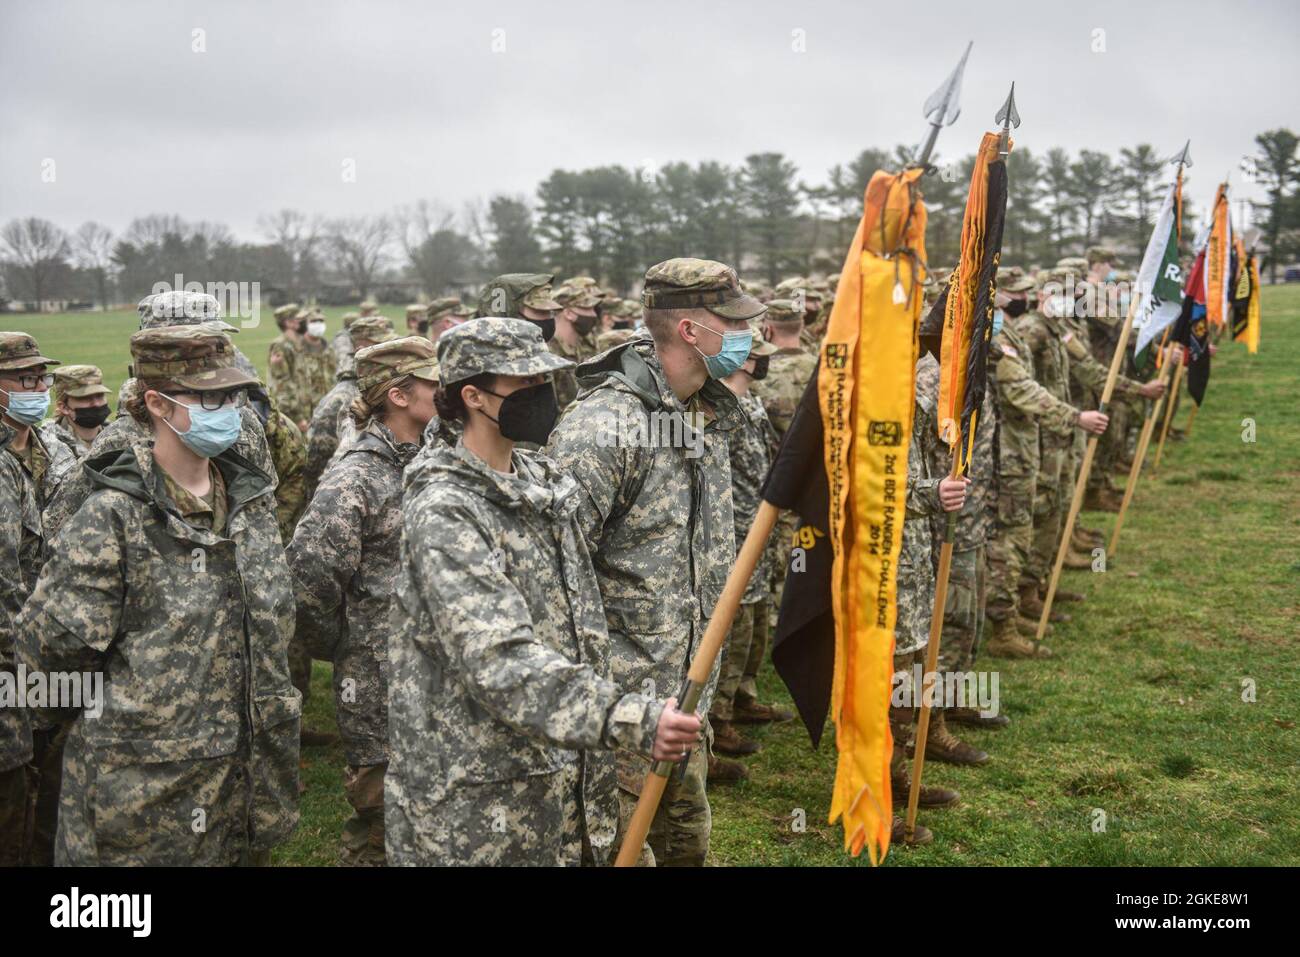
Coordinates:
column 655, row 508
column 22, row 550
column 344, row 559
column 194, row 759
column 502, row 708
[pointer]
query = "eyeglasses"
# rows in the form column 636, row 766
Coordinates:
column 31, row 381
column 212, row 401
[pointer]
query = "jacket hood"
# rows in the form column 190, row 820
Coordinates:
column 537, row 482
column 129, row 468
column 635, row 367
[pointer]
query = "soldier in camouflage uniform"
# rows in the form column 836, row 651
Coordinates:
column 575, row 336
column 931, row 493
column 316, row 368
column 368, row 307
column 282, row 363
column 789, row 371
column 47, row 468
column 445, row 314
column 928, row 493
column 750, row 449
column 645, row 441
column 330, row 421
column 344, row 559
column 1095, row 275
column 523, row 295
column 341, row 344
column 502, row 707
column 29, row 757
column 173, row 562
column 80, row 406
column 963, row 618
column 1026, row 408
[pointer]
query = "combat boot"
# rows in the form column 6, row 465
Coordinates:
column 1101, row 500
column 749, row 711
column 1064, row 595
column 920, row 834
column 722, row 771
column 900, row 783
column 311, row 738
column 1029, row 627
column 973, row 718
column 1096, row 534
column 941, row 745
column 727, row 740
column 1007, row 642
column 1078, row 560
column 1031, row 606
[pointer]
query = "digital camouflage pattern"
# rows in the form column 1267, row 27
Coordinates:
column 501, row 346
column 750, row 447
column 288, row 451
column 195, row 757
column 328, row 426
column 915, row 580
column 502, row 707
column 344, row 558
column 967, row 578
column 22, row 552
column 788, row 373
column 659, row 524
column 566, row 382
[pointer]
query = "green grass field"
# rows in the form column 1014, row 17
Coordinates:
column 1141, row 712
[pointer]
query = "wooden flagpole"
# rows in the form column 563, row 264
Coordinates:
column 1139, row 456
column 1169, row 415
column 652, row 789
column 1081, row 483
column 932, row 654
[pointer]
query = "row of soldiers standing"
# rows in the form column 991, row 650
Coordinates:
column 635, row 509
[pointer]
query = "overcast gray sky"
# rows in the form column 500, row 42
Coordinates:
column 137, row 122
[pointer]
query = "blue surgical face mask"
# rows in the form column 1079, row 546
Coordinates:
column 210, row 433
column 1112, row 276
column 998, row 316
column 732, row 355
column 27, row 408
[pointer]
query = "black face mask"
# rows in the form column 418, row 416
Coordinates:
column 301, row 328
column 625, row 325
column 584, row 324
column 1016, row 307
column 528, row 415
column 760, row 367
column 548, row 330
column 91, row 417
column 422, row 327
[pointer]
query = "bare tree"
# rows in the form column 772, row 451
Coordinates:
column 301, row 238
column 92, row 250
column 36, row 251
column 359, row 246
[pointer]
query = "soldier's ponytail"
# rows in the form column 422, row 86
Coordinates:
column 373, row 401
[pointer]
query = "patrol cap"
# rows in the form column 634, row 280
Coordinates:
column 286, row 312
column 1097, row 254
column 760, row 346
column 614, row 337
column 409, row 355
column 1017, row 284
column 195, row 358
column 18, row 351
column 372, row 328
column 416, row 310
column 783, row 310
column 698, row 284
column 79, row 381
column 367, row 306
column 444, row 306
column 570, row 296
column 1075, row 264
column 180, row 307
column 349, row 318
column 501, row 346
column 504, row 295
